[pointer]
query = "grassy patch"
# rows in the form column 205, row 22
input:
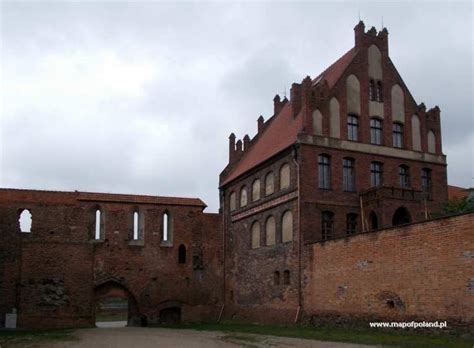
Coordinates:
column 111, row 317
column 244, row 340
column 10, row 338
column 371, row 337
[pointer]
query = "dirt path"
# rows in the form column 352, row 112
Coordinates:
column 164, row 338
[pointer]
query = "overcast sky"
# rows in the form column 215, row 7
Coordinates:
column 140, row 97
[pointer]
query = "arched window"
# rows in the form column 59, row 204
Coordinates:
column 376, row 173
column 352, row 127
column 401, row 216
column 379, row 91
column 375, row 131
column 426, row 182
column 270, row 231
column 287, row 226
column 269, row 184
column 255, row 235
column 256, row 190
column 397, row 135
column 276, row 278
column 374, row 222
column 327, row 224
column 372, row 93
column 348, row 174
column 284, row 176
column 415, row 133
column 286, row 277
column 182, row 254
column 232, row 201
column 136, row 225
column 25, row 221
column 243, row 196
column 431, row 142
column 351, row 223
column 98, row 225
column 324, row 167
column 317, row 122
column 404, row 174
column 167, row 231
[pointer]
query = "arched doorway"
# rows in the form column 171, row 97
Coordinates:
column 373, row 221
column 115, row 306
column 401, row 216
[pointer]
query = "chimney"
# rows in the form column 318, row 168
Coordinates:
column 260, row 124
column 295, row 98
column 277, row 104
column 239, row 147
column 246, row 142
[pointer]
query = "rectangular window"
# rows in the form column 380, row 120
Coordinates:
column 324, row 172
column 352, row 127
column 376, row 174
column 397, row 135
column 327, row 222
column 348, row 176
column 351, row 223
column 426, row 182
column 404, row 176
column 375, row 131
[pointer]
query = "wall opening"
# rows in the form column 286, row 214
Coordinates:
column 135, row 225
column 276, row 278
column 26, row 220
column 115, row 306
column 401, row 216
column 170, row 316
column 182, row 254
column 373, row 221
column 167, row 237
column 286, row 277
column 98, row 225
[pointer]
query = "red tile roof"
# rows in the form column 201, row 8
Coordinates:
column 283, row 129
column 280, row 133
column 456, row 192
column 334, row 72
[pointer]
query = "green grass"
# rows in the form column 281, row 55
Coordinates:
column 362, row 336
column 111, row 317
column 9, row 338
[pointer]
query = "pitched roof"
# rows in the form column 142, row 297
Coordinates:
column 456, row 192
column 280, row 133
column 283, row 128
column 334, row 72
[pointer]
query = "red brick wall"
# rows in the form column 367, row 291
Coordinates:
column 427, row 269
column 50, row 274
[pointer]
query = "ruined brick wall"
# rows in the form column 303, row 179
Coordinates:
column 51, row 274
column 424, row 271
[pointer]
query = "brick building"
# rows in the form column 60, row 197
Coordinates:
column 350, row 151
column 324, row 213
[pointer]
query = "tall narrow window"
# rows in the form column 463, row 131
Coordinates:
column 135, row 225
column 327, row 223
column 373, row 221
column 243, row 196
column 25, row 221
column 287, row 227
column 232, row 202
column 98, row 224
column 372, row 90
column 379, row 92
column 375, row 131
column 269, row 184
column 426, row 182
column 284, row 176
column 397, row 135
column 376, row 172
column 352, row 127
column 348, row 175
column 270, row 231
column 286, row 277
column 255, row 235
column 404, row 174
column 256, row 190
column 182, row 254
column 276, row 278
column 166, row 227
column 324, row 172
column 351, row 223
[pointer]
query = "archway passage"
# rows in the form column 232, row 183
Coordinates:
column 401, row 216
column 170, row 316
column 115, row 306
column 373, row 221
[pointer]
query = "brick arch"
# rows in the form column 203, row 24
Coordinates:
column 112, row 287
